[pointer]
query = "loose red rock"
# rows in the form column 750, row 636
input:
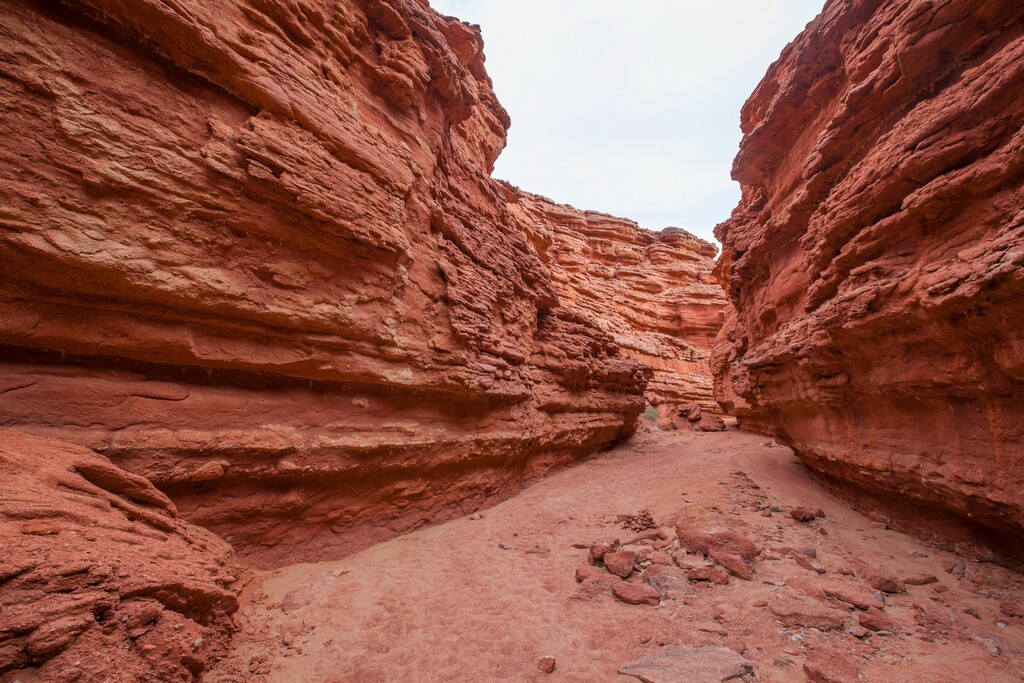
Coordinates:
column 586, row 571
column 620, row 563
column 830, row 667
column 712, row 574
column 861, row 599
column 803, row 514
column 636, row 593
column 1011, row 609
column 598, row 549
column 733, row 563
column 919, row 579
column 796, row 613
column 881, row 580
column 697, row 540
column 877, row 620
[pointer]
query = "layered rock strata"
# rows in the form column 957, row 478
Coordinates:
column 653, row 292
column 99, row 578
column 875, row 260
column 253, row 253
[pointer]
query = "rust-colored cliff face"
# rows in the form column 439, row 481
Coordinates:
column 252, row 252
column 99, row 579
column 876, row 263
column 653, row 292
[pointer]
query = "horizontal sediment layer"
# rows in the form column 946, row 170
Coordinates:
column 874, row 261
column 253, row 253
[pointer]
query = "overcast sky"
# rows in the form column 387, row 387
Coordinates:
column 631, row 108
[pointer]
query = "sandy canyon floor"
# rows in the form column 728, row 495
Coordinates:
column 484, row 597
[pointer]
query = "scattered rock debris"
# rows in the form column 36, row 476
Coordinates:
column 641, row 521
column 784, row 601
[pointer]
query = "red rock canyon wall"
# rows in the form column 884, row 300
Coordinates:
column 875, row 261
column 99, row 579
column 653, row 292
column 252, row 252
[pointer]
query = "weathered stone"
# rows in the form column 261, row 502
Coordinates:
column 599, row 548
column 711, row 423
column 803, row 514
column 670, row 581
column 881, row 580
column 620, row 563
column 636, row 593
column 123, row 567
column 704, row 540
column 693, row 665
column 653, row 291
column 873, row 262
column 734, row 563
column 1011, row 609
column 796, row 613
column 830, row 667
column 808, row 564
column 858, row 597
column 919, row 579
column 691, row 411
column 712, row 574
column 663, row 558
column 877, row 620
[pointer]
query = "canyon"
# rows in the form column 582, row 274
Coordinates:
column 275, row 346
column 282, row 286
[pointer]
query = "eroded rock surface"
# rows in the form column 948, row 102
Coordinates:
column 875, row 260
column 253, row 253
column 653, row 292
column 99, row 579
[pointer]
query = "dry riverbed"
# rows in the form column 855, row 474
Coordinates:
column 487, row 597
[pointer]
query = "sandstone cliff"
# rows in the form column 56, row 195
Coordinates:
column 875, row 260
column 252, row 252
column 99, row 579
column 653, row 292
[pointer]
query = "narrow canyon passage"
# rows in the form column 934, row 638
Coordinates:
column 293, row 388
column 483, row 597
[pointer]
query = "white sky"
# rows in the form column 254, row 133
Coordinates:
column 631, row 108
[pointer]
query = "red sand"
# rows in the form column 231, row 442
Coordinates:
column 467, row 601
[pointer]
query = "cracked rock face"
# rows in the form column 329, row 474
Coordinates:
column 253, row 253
column 99, row 578
column 653, row 292
column 875, row 260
